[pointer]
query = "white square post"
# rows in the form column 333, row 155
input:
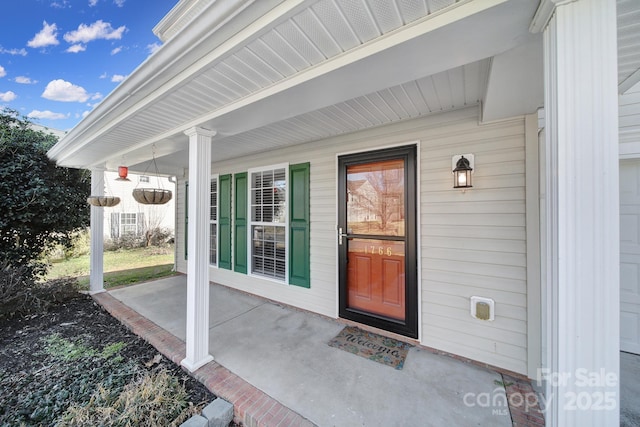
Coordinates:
column 96, row 260
column 197, row 341
column 582, row 220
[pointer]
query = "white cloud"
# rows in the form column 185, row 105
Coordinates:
column 60, row 4
column 85, row 113
column 60, row 90
column 97, row 30
column 76, row 48
column 25, row 80
column 3, row 72
column 22, row 52
column 119, row 3
column 97, row 95
column 103, row 76
column 93, row 3
column 153, row 47
column 117, row 78
column 50, row 115
column 116, row 50
column 46, row 37
column 7, row 96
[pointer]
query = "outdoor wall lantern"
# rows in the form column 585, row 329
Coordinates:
column 462, row 165
column 123, row 171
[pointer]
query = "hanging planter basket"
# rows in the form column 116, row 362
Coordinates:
column 103, row 201
column 152, row 196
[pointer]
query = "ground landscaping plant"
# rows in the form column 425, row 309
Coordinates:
column 75, row 365
column 40, row 204
column 21, row 294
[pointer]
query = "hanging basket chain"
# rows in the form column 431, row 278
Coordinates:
column 152, row 196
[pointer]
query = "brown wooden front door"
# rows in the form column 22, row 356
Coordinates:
column 377, row 239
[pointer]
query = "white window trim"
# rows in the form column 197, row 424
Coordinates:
column 251, row 223
column 215, row 177
column 121, row 224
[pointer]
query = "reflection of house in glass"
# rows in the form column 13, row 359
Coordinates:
column 375, row 198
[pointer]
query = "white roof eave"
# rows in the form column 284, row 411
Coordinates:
column 217, row 23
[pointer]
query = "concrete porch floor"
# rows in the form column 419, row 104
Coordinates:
column 284, row 353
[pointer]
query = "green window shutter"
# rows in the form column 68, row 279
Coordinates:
column 240, row 223
column 299, row 252
column 224, row 222
column 186, row 219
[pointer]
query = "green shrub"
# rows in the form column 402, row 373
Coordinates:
column 71, row 370
column 128, row 241
column 79, row 244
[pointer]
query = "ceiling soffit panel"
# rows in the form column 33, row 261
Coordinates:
column 453, row 89
column 318, row 33
column 628, row 43
column 462, row 87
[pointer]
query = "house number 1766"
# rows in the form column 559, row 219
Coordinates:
column 378, row 250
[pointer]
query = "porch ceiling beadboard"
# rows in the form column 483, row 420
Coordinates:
column 457, row 88
column 301, row 36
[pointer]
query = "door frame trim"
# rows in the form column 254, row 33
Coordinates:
column 411, row 326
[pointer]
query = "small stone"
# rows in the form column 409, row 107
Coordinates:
column 196, row 421
column 219, row 413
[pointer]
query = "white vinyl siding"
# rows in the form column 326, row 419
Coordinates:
column 471, row 243
column 474, row 243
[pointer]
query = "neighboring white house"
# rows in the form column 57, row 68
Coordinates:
column 271, row 113
column 130, row 217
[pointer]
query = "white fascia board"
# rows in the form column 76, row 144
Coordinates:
column 213, row 27
column 176, row 14
column 544, row 14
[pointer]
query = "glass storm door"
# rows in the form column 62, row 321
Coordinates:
column 377, row 239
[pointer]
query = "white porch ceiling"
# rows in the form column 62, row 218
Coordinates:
column 385, row 61
column 452, row 89
column 295, row 71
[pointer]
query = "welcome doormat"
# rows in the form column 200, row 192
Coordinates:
column 387, row 351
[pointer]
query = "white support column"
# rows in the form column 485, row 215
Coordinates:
column 96, row 263
column 197, row 342
column 581, row 107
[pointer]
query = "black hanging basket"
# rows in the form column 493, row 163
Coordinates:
column 152, row 196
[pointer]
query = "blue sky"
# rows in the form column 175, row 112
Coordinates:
column 59, row 58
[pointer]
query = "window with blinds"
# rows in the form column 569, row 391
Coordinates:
column 268, row 222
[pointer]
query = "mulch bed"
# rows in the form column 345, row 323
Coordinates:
column 22, row 354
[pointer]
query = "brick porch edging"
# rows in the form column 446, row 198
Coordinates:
column 523, row 402
column 251, row 406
